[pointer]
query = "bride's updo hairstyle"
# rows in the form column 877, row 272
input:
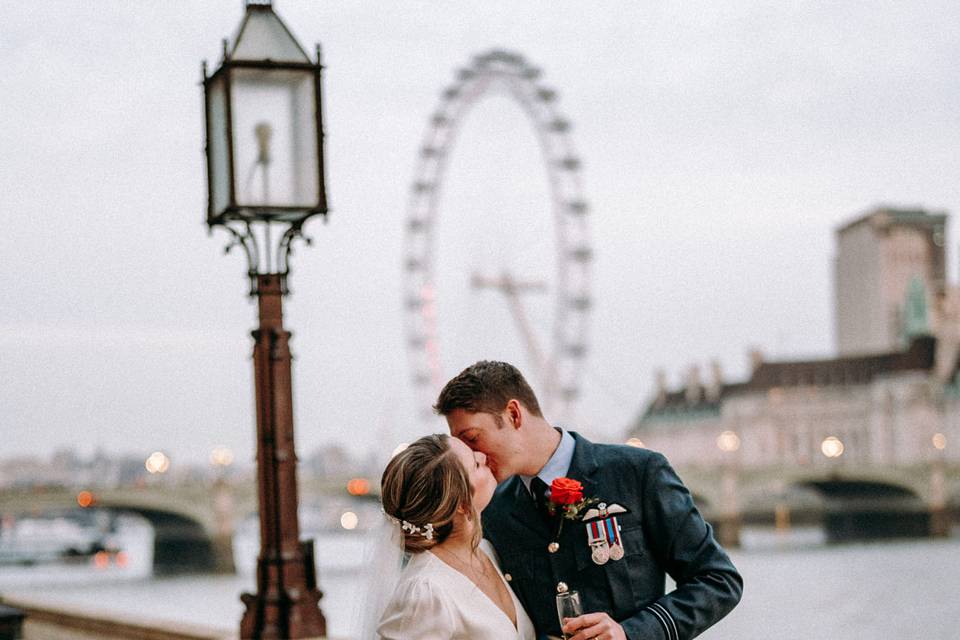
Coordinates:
column 423, row 485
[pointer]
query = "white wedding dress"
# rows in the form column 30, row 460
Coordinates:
column 434, row 601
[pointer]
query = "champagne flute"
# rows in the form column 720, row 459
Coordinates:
column 568, row 605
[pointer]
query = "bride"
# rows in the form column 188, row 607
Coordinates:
column 450, row 587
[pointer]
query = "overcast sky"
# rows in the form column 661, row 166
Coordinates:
column 722, row 143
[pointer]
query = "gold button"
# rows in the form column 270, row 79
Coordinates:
column 553, row 547
column 508, row 577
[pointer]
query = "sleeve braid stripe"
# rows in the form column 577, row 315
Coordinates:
column 663, row 623
column 673, row 624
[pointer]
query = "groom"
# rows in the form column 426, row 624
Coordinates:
column 491, row 408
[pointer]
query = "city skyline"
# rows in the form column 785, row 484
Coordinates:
column 721, row 147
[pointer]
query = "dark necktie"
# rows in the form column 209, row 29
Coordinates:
column 539, row 489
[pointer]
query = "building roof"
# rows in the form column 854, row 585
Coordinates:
column 676, row 402
column 885, row 216
column 843, row 371
column 835, row 372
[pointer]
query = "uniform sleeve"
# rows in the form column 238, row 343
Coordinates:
column 417, row 611
column 708, row 585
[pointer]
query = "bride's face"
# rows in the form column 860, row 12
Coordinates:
column 481, row 478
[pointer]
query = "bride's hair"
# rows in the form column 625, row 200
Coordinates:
column 424, row 484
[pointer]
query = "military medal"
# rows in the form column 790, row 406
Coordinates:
column 597, row 539
column 613, row 536
column 603, row 533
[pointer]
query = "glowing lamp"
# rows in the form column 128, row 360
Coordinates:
column 832, row 447
column 358, row 487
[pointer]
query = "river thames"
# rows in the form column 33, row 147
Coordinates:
column 891, row 590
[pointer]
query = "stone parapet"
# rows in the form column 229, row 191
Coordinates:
column 48, row 622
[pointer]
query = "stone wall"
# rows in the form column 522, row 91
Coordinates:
column 46, row 622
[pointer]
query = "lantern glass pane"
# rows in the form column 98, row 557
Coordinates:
column 218, row 146
column 275, row 138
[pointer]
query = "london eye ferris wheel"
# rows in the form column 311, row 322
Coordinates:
column 557, row 353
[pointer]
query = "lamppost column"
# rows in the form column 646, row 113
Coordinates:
column 285, row 605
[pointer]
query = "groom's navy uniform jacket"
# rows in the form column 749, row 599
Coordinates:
column 663, row 532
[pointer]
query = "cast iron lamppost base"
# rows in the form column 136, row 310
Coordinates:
column 265, row 179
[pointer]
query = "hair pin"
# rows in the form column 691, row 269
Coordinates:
column 412, row 529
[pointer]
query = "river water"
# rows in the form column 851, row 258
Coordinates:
column 798, row 589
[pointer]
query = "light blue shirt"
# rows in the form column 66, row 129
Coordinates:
column 559, row 463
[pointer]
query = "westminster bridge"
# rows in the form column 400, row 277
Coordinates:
column 194, row 522
column 854, row 501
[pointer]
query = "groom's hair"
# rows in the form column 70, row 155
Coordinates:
column 487, row 386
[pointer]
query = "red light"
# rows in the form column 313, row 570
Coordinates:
column 358, row 487
column 85, row 499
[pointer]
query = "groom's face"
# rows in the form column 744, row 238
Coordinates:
column 481, row 478
column 492, row 435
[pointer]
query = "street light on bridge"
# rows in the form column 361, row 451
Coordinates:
column 157, row 462
column 940, row 521
column 221, row 458
column 939, row 441
column 264, row 148
column 728, row 442
column 85, row 499
column 728, row 525
column 832, row 447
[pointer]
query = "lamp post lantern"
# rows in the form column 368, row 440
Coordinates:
column 265, row 177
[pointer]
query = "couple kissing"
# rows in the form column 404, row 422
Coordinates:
column 485, row 526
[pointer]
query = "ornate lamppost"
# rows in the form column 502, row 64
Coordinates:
column 939, row 510
column 728, row 529
column 265, row 178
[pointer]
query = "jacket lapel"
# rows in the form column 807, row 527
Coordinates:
column 583, row 467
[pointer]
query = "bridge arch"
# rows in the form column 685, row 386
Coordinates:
column 866, row 502
column 842, row 488
column 190, row 536
column 858, row 509
column 181, row 544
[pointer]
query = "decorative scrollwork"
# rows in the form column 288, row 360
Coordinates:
column 264, row 256
column 285, row 248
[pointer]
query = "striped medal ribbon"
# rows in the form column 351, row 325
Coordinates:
column 613, row 536
column 597, row 538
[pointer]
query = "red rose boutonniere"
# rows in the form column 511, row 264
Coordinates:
column 564, row 491
column 566, row 496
